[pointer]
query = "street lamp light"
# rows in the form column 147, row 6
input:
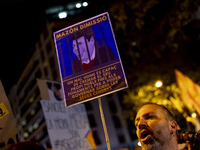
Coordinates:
column 158, row 83
column 85, row 4
column 78, row 5
column 194, row 115
column 62, row 15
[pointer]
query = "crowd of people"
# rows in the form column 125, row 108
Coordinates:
column 156, row 130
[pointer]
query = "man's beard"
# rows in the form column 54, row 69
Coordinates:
column 160, row 140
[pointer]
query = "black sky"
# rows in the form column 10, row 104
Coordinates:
column 21, row 22
column 19, row 30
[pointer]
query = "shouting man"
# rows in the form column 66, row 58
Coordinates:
column 156, row 128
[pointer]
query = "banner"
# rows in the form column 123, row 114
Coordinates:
column 89, row 61
column 190, row 91
column 8, row 126
column 68, row 128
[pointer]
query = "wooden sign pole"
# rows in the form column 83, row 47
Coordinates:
column 104, row 124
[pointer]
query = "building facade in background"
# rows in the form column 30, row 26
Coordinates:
column 25, row 100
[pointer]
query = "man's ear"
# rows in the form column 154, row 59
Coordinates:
column 173, row 126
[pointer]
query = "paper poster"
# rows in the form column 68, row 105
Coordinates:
column 68, row 127
column 89, row 61
column 8, row 126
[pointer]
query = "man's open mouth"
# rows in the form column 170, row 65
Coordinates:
column 145, row 136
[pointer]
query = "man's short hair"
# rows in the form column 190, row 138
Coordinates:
column 169, row 115
column 87, row 32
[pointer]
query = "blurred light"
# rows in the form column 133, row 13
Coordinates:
column 141, row 93
column 30, row 129
column 35, row 126
column 31, row 100
column 194, row 115
column 70, row 6
column 139, row 144
column 33, row 112
column 134, row 43
column 71, row 12
column 54, row 9
column 85, row 4
column 158, row 84
column 26, row 134
column 78, row 5
column 157, row 92
column 62, row 15
column 23, row 123
column 168, row 88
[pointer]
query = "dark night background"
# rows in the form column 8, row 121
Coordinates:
column 21, row 24
column 154, row 37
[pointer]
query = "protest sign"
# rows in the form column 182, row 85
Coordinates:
column 68, row 128
column 89, row 61
column 8, row 126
